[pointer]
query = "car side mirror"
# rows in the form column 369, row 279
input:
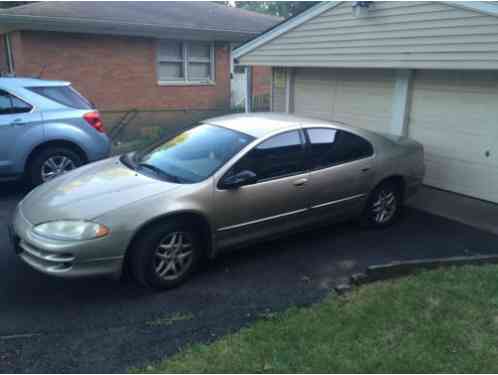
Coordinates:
column 239, row 179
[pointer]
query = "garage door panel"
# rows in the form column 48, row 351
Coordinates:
column 455, row 116
column 461, row 177
column 318, row 104
column 457, row 113
column 462, row 146
column 360, row 98
column 365, row 121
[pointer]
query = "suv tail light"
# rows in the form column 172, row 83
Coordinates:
column 95, row 121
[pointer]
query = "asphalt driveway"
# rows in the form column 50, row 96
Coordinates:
column 98, row 325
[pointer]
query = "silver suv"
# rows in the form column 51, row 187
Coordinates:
column 46, row 129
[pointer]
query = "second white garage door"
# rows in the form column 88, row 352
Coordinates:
column 359, row 97
column 454, row 114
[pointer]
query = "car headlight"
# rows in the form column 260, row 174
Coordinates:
column 70, row 230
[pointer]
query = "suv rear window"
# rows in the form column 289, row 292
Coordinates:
column 64, row 95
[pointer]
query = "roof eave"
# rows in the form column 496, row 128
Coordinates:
column 12, row 23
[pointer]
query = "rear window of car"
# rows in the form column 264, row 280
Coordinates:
column 64, row 95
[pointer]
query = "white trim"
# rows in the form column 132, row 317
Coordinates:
column 248, row 98
column 186, row 83
column 401, row 102
column 284, row 27
column 185, row 61
column 271, row 89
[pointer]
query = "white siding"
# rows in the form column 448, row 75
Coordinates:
column 360, row 98
column 455, row 115
column 393, row 34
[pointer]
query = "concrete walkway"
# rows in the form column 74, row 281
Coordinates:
column 470, row 211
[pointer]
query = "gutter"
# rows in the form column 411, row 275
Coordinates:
column 111, row 27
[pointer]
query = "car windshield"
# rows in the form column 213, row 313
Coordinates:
column 193, row 155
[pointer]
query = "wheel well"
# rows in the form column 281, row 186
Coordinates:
column 196, row 220
column 397, row 180
column 66, row 144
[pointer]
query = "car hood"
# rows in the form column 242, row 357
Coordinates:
column 89, row 192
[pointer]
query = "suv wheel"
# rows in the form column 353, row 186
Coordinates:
column 52, row 162
column 383, row 206
column 165, row 255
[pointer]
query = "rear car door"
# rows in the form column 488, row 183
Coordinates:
column 18, row 119
column 341, row 166
column 275, row 203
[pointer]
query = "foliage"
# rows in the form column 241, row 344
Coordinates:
column 434, row 322
column 11, row 4
column 283, row 9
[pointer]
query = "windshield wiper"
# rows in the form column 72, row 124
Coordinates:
column 159, row 172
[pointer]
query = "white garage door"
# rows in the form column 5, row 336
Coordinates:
column 455, row 115
column 361, row 97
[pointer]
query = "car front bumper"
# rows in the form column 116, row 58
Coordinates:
column 63, row 258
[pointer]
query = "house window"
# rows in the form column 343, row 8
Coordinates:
column 185, row 62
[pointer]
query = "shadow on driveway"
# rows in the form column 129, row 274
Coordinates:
column 98, row 325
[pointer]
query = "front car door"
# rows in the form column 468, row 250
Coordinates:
column 341, row 167
column 275, row 203
column 16, row 118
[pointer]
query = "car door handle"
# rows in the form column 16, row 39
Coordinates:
column 365, row 169
column 300, row 182
column 17, row 121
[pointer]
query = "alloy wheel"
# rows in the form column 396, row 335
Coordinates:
column 173, row 256
column 55, row 166
column 384, row 207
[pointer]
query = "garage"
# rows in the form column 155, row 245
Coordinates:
column 455, row 116
column 428, row 70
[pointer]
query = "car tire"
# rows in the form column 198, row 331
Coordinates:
column 37, row 168
column 165, row 255
column 383, row 206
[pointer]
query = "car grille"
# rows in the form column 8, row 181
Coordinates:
column 50, row 261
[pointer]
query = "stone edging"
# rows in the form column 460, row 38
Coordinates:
column 398, row 269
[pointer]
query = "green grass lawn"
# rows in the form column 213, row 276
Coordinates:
column 439, row 321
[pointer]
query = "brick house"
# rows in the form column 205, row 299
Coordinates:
column 133, row 55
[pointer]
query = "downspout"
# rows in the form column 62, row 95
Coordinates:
column 9, row 56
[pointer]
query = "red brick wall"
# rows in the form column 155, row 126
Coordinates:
column 261, row 80
column 115, row 72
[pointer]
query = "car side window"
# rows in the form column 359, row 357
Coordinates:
column 5, row 103
column 279, row 156
column 331, row 146
column 9, row 104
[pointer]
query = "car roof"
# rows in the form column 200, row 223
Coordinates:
column 262, row 124
column 16, row 82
